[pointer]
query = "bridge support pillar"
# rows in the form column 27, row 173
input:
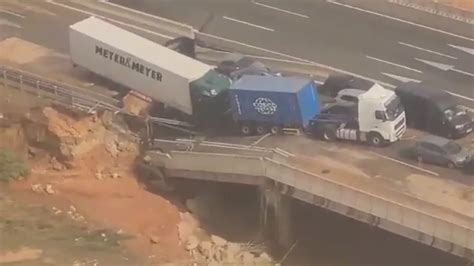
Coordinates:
column 275, row 216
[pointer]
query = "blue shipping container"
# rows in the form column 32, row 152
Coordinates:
column 283, row 101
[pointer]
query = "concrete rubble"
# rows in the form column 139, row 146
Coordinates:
column 40, row 188
column 215, row 250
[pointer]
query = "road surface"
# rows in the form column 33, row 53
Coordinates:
column 335, row 34
column 46, row 24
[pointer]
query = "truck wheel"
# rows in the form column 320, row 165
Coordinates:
column 275, row 130
column 261, row 130
column 329, row 133
column 376, row 140
column 246, row 130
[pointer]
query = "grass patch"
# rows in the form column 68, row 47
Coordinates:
column 11, row 167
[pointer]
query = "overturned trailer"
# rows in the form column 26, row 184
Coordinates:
column 162, row 74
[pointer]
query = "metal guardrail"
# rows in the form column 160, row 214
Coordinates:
column 57, row 91
column 447, row 226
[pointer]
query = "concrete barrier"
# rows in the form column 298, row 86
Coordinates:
column 401, row 214
column 177, row 28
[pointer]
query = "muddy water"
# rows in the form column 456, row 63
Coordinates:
column 323, row 237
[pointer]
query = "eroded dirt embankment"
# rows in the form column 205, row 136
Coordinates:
column 75, row 160
column 83, row 170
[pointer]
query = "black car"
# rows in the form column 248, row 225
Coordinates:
column 337, row 82
column 183, row 45
column 235, row 66
column 469, row 167
column 434, row 110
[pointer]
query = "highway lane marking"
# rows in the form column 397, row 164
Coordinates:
column 404, row 163
column 109, row 19
column 281, row 10
column 393, row 64
column 464, row 49
column 4, row 22
column 400, row 78
column 247, row 23
column 12, row 13
column 400, row 20
column 261, row 139
column 460, row 96
column 426, row 50
column 444, row 67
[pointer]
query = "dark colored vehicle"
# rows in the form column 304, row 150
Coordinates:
column 183, row 45
column 235, row 66
column 469, row 167
column 433, row 110
column 337, row 82
column 261, row 104
column 441, row 151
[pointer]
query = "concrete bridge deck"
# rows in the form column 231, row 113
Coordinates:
column 451, row 230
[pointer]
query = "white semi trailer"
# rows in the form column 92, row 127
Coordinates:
column 164, row 75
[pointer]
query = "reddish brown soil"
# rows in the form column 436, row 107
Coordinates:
column 120, row 204
column 461, row 4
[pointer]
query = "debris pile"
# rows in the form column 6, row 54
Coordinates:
column 71, row 213
column 215, row 250
column 40, row 188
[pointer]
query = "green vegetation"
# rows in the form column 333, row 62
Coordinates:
column 11, row 167
column 62, row 240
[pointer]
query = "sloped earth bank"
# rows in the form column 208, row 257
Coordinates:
column 82, row 176
column 91, row 207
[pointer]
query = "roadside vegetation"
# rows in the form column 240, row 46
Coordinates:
column 11, row 166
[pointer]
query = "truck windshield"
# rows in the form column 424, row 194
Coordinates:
column 452, row 147
column 394, row 108
column 454, row 111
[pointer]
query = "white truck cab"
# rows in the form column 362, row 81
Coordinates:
column 375, row 116
column 381, row 112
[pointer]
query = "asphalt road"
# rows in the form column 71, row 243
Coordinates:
column 335, row 35
column 47, row 25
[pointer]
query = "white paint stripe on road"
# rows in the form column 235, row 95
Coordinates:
column 281, row 10
column 460, row 96
column 11, row 13
column 400, row 78
column 109, row 19
column 463, row 72
column 401, row 20
column 394, row 64
column 426, row 50
column 247, row 23
column 4, row 22
column 404, row 163
column 462, row 48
